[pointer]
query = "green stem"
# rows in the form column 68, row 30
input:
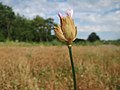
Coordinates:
column 72, row 64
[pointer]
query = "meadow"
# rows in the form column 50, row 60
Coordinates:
column 38, row 67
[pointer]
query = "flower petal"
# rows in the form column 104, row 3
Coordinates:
column 60, row 15
column 70, row 12
column 59, row 34
column 75, row 34
column 68, row 27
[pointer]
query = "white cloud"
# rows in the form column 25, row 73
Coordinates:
column 89, row 15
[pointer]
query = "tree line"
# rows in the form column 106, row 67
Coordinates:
column 15, row 27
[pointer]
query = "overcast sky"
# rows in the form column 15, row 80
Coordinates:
column 100, row 16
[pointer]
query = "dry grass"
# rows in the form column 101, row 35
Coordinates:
column 48, row 68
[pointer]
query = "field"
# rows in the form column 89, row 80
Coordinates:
column 49, row 68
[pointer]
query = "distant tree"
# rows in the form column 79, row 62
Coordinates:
column 93, row 37
column 23, row 29
column 15, row 27
column 38, row 24
column 2, row 38
column 77, row 40
column 49, row 24
column 6, row 20
column 43, row 28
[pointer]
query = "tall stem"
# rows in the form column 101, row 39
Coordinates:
column 72, row 64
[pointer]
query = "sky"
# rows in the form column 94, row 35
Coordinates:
column 100, row 16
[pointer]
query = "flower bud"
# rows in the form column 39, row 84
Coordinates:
column 67, row 30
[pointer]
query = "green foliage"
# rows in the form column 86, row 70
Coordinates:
column 2, row 38
column 55, row 42
column 7, row 17
column 15, row 27
column 93, row 37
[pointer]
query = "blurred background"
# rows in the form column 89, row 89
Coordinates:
column 33, row 20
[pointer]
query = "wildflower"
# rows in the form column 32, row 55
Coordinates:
column 67, row 30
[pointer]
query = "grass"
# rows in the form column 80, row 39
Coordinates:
column 48, row 67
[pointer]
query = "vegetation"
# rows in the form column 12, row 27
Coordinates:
column 15, row 27
column 48, row 67
column 97, row 42
column 93, row 37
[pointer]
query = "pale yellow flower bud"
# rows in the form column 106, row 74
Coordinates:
column 67, row 30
